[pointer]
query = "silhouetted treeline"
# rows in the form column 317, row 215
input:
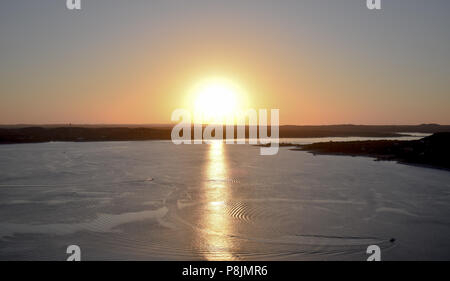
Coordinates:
column 39, row 134
column 16, row 134
column 432, row 150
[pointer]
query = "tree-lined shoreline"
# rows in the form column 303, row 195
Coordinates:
column 78, row 133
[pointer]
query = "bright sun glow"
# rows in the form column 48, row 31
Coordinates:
column 217, row 100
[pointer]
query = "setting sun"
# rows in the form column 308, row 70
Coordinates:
column 217, row 100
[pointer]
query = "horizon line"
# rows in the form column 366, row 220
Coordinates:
column 172, row 124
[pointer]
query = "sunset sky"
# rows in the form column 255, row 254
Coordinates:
column 134, row 62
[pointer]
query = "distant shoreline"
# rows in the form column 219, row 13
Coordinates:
column 36, row 134
column 432, row 151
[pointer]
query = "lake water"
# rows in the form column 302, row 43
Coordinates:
column 157, row 201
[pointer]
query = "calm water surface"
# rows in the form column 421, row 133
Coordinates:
column 159, row 201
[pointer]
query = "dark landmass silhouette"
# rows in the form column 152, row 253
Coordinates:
column 81, row 134
column 35, row 134
column 431, row 151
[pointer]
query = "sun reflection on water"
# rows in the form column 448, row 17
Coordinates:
column 217, row 193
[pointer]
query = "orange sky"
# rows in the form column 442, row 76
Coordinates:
column 134, row 64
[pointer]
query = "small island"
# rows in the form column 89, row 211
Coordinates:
column 433, row 151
